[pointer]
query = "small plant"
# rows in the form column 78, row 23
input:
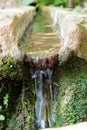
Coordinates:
column 5, row 103
column 63, row 3
column 5, row 100
column 2, row 117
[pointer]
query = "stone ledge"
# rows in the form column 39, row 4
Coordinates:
column 13, row 23
column 73, row 31
column 80, row 126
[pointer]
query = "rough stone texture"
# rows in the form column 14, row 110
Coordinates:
column 68, row 85
column 73, row 30
column 72, row 27
column 13, row 23
column 9, row 3
column 80, row 126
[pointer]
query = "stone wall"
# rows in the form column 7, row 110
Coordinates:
column 69, row 79
column 13, row 22
column 73, row 31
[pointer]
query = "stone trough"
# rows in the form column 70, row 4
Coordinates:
column 42, row 44
column 72, row 28
column 71, row 25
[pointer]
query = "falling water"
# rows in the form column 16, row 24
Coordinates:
column 43, row 96
column 40, row 57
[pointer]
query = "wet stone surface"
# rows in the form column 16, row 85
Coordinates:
column 41, row 44
column 41, row 63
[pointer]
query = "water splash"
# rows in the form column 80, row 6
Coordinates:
column 43, row 96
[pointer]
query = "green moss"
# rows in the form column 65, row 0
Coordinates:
column 15, row 82
column 24, row 115
column 9, row 68
column 72, row 97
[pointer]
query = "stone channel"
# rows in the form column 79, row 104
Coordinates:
column 44, row 43
column 40, row 48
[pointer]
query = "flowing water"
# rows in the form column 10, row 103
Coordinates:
column 41, row 40
column 40, row 48
column 43, row 97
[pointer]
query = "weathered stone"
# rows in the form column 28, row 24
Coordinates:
column 74, row 34
column 64, row 54
column 79, row 126
column 13, row 23
column 73, row 30
column 70, row 78
column 9, row 3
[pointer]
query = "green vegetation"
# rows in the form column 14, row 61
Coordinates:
column 5, row 103
column 64, row 3
column 9, row 68
column 71, row 103
column 52, row 2
column 14, row 105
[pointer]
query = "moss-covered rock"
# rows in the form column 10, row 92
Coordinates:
column 70, row 105
column 17, row 107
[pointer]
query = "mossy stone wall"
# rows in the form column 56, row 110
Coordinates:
column 70, row 104
column 19, row 109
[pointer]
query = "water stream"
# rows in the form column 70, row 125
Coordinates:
column 40, row 47
column 43, row 97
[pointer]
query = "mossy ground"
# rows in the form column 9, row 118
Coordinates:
column 69, row 83
column 15, row 82
column 70, row 104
